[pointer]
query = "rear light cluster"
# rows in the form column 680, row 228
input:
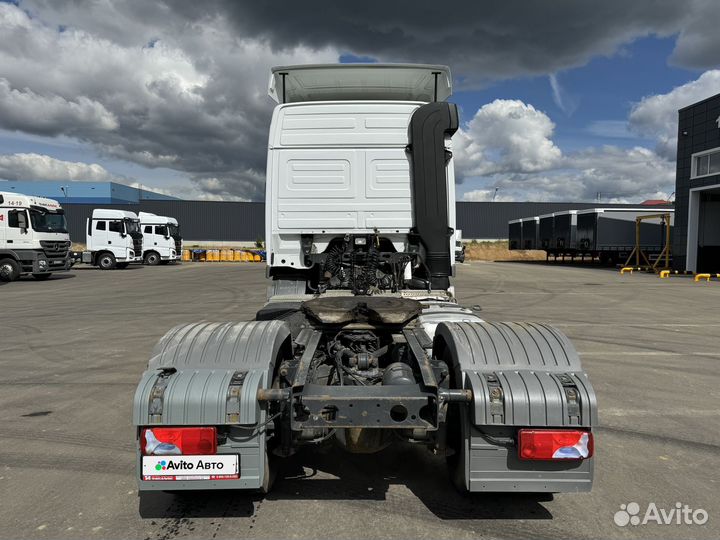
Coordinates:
column 541, row 444
column 186, row 441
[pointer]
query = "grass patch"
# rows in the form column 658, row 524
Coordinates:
column 498, row 251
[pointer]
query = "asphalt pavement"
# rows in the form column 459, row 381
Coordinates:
column 72, row 350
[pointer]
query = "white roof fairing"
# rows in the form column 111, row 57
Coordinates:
column 19, row 200
column 108, row 213
column 359, row 82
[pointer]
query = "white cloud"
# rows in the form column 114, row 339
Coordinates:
column 486, row 195
column 562, row 99
column 508, row 145
column 23, row 109
column 656, row 116
column 182, row 84
column 29, row 167
column 505, row 136
column 145, row 83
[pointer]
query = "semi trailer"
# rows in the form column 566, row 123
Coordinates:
column 161, row 239
column 113, row 239
column 611, row 233
column 608, row 234
column 33, row 237
column 361, row 342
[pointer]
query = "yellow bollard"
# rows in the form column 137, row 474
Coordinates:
column 664, row 274
column 186, row 255
column 256, row 257
column 626, row 269
column 237, row 255
column 246, row 257
column 706, row 277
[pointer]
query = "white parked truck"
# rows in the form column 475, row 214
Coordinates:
column 33, row 237
column 113, row 240
column 161, row 239
column 361, row 341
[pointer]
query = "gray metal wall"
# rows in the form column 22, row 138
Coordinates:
column 697, row 131
column 245, row 221
column 199, row 220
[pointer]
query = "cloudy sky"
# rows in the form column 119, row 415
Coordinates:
column 568, row 100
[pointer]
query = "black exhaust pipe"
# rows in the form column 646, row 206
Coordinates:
column 429, row 126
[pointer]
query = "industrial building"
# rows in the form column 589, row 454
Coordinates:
column 84, row 192
column 696, row 245
column 218, row 221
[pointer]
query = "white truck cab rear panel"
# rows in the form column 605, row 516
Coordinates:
column 336, row 168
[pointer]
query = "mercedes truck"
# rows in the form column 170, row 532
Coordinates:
column 362, row 343
column 33, row 237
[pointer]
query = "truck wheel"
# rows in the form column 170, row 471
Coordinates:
column 152, row 258
column 270, row 474
column 9, row 270
column 106, row 261
column 42, row 277
column 123, row 265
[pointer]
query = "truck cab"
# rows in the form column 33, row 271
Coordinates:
column 342, row 146
column 113, row 240
column 33, row 237
column 161, row 239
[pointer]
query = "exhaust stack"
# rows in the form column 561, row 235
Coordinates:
column 429, row 126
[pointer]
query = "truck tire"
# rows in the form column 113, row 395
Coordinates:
column 152, row 258
column 123, row 265
column 42, row 277
column 106, row 261
column 9, row 270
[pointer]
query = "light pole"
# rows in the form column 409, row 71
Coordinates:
column 495, row 194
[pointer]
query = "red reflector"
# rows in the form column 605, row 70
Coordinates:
column 178, row 441
column 554, row 444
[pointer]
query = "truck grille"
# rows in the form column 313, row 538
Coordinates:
column 178, row 246
column 137, row 246
column 55, row 249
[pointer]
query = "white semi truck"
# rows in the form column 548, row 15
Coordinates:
column 33, row 237
column 161, row 239
column 361, row 341
column 113, row 239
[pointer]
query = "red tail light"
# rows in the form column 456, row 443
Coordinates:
column 541, row 444
column 178, row 441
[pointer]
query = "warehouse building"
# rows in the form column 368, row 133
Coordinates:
column 230, row 221
column 696, row 245
column 84, row 192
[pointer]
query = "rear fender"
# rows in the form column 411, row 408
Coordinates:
column 208, row 374
column 521, row 375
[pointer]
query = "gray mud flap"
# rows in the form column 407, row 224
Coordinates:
column 208, row 374
column 522, row 375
